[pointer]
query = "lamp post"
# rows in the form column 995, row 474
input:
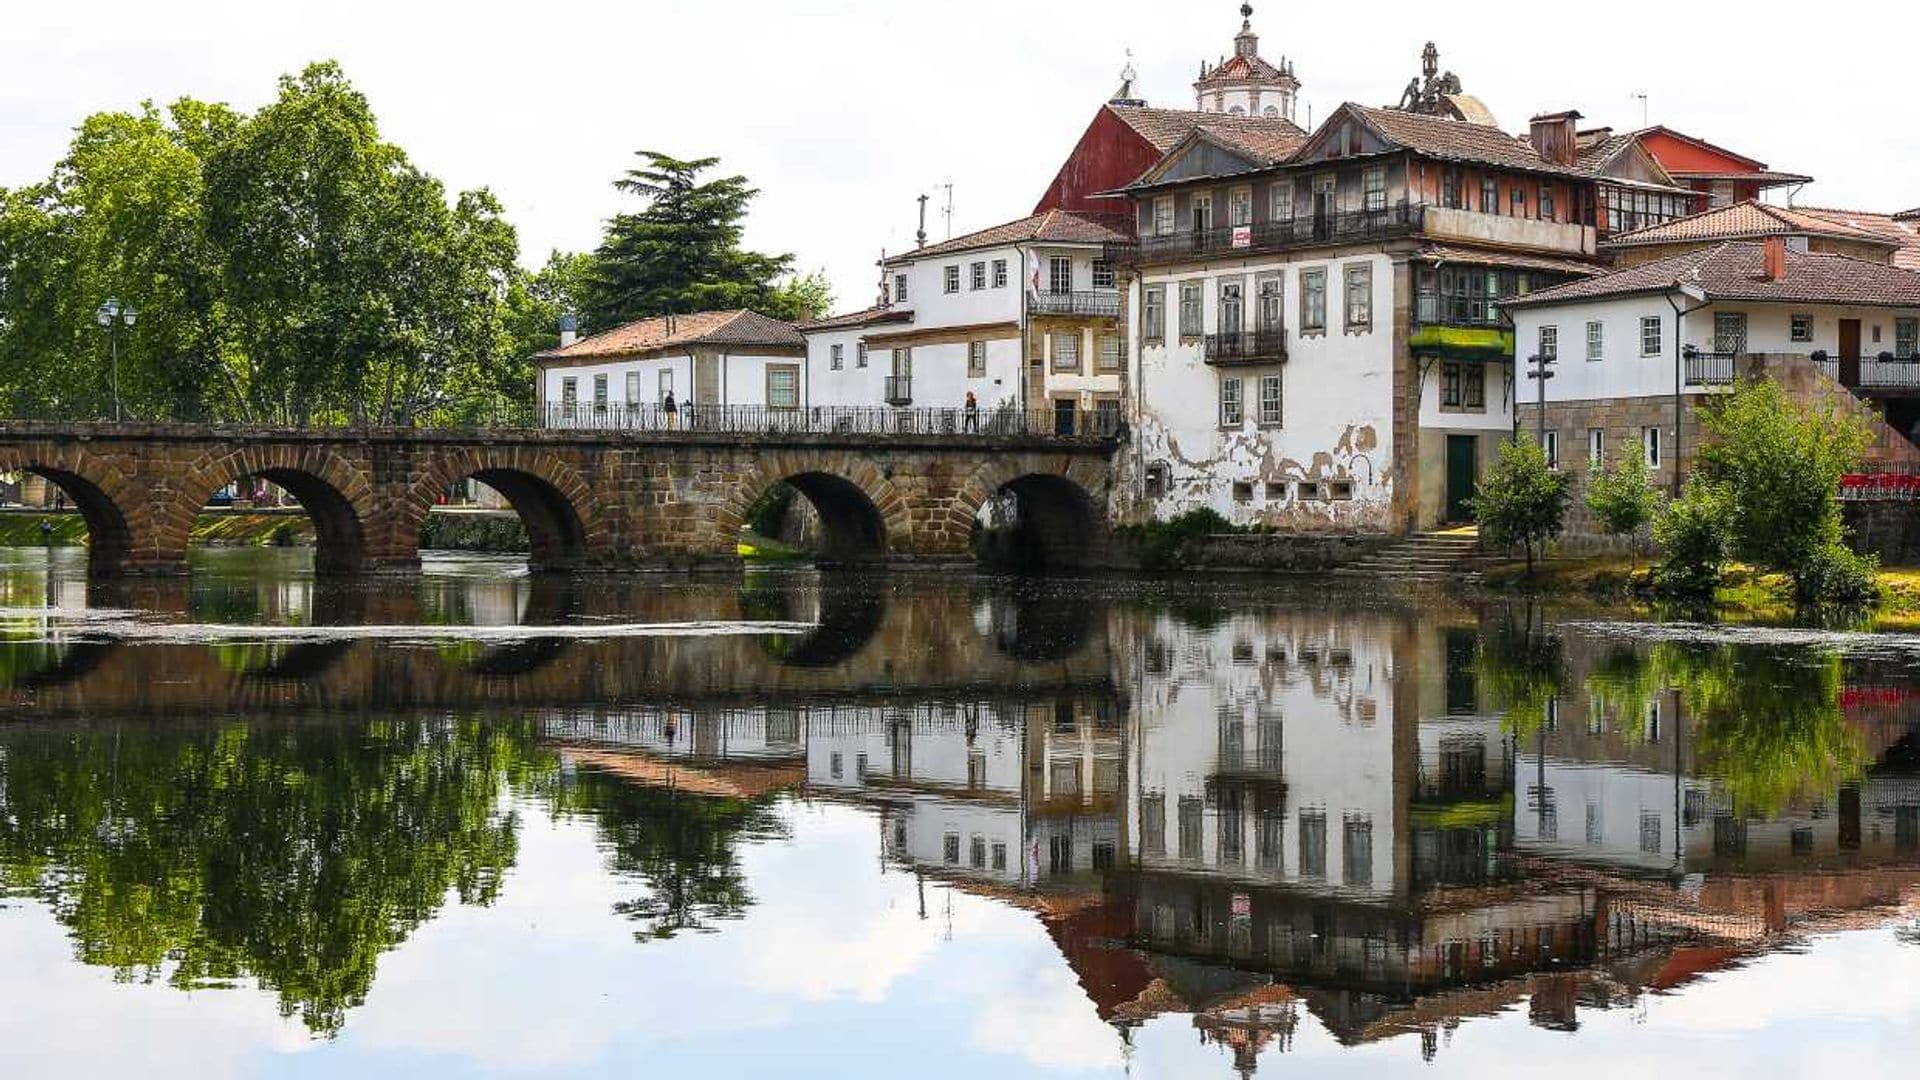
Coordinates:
column 111, row 316
column 1542, row 370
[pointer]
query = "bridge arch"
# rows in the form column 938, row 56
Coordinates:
column 565, row 523
column 1057, row 511
column 862, row 516
column 333, row 491
column 108, row 504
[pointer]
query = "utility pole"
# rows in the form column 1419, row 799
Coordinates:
column 1542, row 370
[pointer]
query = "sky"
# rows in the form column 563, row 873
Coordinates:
column 843, row 112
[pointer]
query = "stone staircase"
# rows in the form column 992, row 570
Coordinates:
column 1429, row 556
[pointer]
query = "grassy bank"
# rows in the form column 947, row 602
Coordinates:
column 1747, row 595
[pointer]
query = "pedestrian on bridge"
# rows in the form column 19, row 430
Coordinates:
column 673, row 411
column 972, row 410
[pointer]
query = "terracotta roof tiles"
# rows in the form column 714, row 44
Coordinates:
column 1166, row 128
column 1744, row 220
column 1048, row 227
column 668, row 332
column 854, row 319
column 1455, row 140
column 1902, row 229
column 1735, row 270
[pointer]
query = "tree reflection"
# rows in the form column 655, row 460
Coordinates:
column 294, row 855
column 1522, row 667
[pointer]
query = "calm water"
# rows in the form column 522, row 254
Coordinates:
column 936, row 827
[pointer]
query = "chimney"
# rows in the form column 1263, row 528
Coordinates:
column 1776, row 261
column 1555, row 136
column 569, row 330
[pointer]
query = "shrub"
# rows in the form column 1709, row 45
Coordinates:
column 1160, row 541
column 1624, row 501
column 1837, row 575
column 1521, row 501
column 1696, row 540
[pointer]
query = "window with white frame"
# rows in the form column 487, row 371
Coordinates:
column 1153, row 313
column 1359, row 296
column 599, row 391
column 977, row 276
column 1102, row 274
column 1191, row 314
column 899, row 288
column 1313, row 300
column 1066, row 352
column 1270, row 400
column 1800, row 328
column 1549, row 342
column 1233, row 308
column 999, row 273
column 1280, row 202
column 837, row 357
column 1230, row 404
column 1596, row 339
column 1651, row 343
column 1650, row 439
column 951, row 277
column 1163, row 215
column 666, row 383
column 1729, row 331
column 569, row 391
column 1596, row 447
column 1271, row 317
column 633, row 388
column 1110, row 352
column 783, row 386
column 976, row 359
column 1373, row 187
column 1203, row 213
column 1240, row 206
column 1906, row 338
column 1550, row 448
column 1059, row 274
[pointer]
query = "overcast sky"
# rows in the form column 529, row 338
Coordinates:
column 842, row 111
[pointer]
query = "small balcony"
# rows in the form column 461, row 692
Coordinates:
column 1256, row 347
column 1098, row 304
column 899, row 389
column 1708, row 368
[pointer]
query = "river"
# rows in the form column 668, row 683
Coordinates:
column 479, row 822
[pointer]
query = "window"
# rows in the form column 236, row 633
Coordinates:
column 999, row 855
column 1276, row 492
column 1463, row 387
column 1550, row 448
column 1546, row 203
column 977, row 276
column 1163, row 216
column 1596, row 447
column 1190, row 315
column 1232, row 307
column 1650, row 336
column 1906, row 338
column 1269, row 319
column 903, row 362
column 1242, row 491
column 950, row 848
column 783, row 386
column 1313, row 300
column 976, row 359
column 977, row 853
column 570, row 391
column 1596, row 340
column 1280, row 202
column 1359, row 297
column 1729, row 331
column 899, row 288
column 1240, row 206
column 1230, row 414
column 951, row 277
column 1270, row 400
column 1489, row 195
column 599, row 391
column 1066, row 352
column 1800, row 327
column 633, row 388
column 999, row 273
column 1550, row 342
column 1110, row 354
column 1158, row 479
column 1153, row 314
column 1340, row 490
column 837, row 357
column 860, row 355
column 1102, row 274
column 1373, row 186
column 1059, row 274
column 1450, row 188
column 1650, row 438
column 666, row 383
column 1313, row 843
column 1518, row 208
column 1202, row 213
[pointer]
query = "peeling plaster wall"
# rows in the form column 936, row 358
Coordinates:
column 1337, row 408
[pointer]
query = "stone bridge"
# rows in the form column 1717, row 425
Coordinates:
column 595, row 499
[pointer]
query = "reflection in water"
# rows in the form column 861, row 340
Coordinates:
column 1287, row 822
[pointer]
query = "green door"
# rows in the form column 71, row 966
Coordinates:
column 1463, row 466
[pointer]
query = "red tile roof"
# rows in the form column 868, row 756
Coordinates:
column 872, row 316
column 1746, row 220
column 1902, row 229
column 1167, row 128
column 1735, row 270
column 678, row 331
column 1050, row 227
column 1456, row 140
column 1448, row 253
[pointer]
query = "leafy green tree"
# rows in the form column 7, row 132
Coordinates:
column 535, row 302
column 1522, row 667
column 1522, row 501
column 1624, row 502
column 1695, row 534
column 682, row 252
column 802, row 297
column 1778, row 465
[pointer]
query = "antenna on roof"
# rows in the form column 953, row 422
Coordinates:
column 1643, row 106
column 947, row 211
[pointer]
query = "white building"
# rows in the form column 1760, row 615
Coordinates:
column 624, row 376
column 1827, row 326
column 1245, row 84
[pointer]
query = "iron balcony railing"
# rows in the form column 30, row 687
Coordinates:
column 1098, row 304
column 1709, row 368
column 1254, row 347
column 1884, row 371
column 899, row 390
column 1332, row 227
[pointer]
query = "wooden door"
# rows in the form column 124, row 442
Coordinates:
column 1463, row 468
column 1850, row 353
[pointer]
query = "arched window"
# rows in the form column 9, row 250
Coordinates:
column 1271, row 112
column 1236, row 111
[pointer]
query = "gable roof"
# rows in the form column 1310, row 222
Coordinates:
column 740, row 327
column 1049, row 227
column 1746, row 168
column 1735, row 270
column 1902, row 229
column 1447, row 139
column 1167, row 128
column 1745, row 220
column 853, row 320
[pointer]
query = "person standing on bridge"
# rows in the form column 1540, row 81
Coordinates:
column 673, row 411
column 972, row 411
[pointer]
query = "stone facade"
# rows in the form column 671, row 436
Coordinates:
column 597, row 499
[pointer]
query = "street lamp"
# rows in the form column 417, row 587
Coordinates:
column 111, row 316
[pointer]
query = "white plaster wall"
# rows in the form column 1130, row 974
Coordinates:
column 1497, row 416
column 853, row 384
column 1337, row 393
column 933, row 308
column 743, row 379
column 940, row 379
